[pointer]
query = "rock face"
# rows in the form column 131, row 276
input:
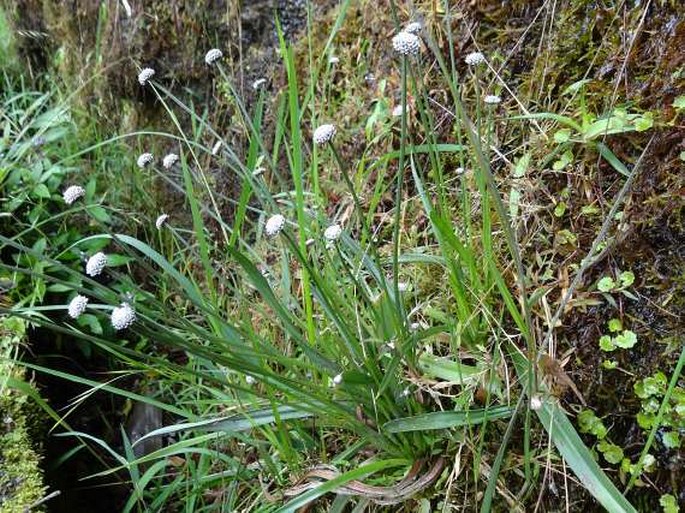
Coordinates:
column 101, row 46
column 144, row 418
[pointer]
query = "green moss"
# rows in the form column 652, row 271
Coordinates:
column 21, row 483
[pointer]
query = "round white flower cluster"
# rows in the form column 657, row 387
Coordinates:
column 96, row 264
column 332, row 233
column 72, row 193
column 324, row 134
column 536, row 402
column 161, row 220
column 413, row 28
column 145, row 75
column 77, row 306
column 145, row 160
column 169, row 160
column 123, row 316
column 213, row 55
column 406, row 43
column 274, row 225
column 492, row 99
column 258, row 83
column 474, row 59
column 397, row 111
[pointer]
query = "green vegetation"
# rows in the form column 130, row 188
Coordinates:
column 370, row 282
column 21, row 483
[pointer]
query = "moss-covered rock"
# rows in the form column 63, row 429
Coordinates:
column 21, row 482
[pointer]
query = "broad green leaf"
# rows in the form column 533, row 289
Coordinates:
column 233, row 423
column 577, row 456
column 449, row 370
column 447, row 419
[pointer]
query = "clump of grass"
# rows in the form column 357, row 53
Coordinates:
column 287, row 337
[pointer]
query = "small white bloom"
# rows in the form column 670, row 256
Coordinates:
column 414, row 326
column 492, row 99
column 413, row 28
column 144, row 160
column 123, row 316
column 403, row 286
column 250, row 380
column 96, row 264
column 333, row 60
column 390, row 345
column 459, row 171
column 258, row 83
column 216, row 148
column 474, row 59
column 77, row 306
column 324, row 134
column 332, row 233
column 397, row 111
column 169, row 160
column 274, row 225
column 213, row 55
column 337, row 379
column 161, row 220
column 72, row 193
column 406, row 392
column 406, row 43
column 536, row 402
column 145, row 75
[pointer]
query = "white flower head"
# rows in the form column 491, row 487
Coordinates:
column 274, row 225
column 492, row 99
column 169, row 160
column 216, row 148
column 324, row 134
column 459, row 171
column 406, row 392
column 145, row 160
column 474, row 59
column 96, row 264
column 77, row 306
column 413, row 28
column 397, row 111
column 414, row 326
column 333, row 60
column 536, row 402
column 161, row 220
column 72, row 193
column 123, row 316
column 332, row 233
column 406, row 43
column 250, row 380
column 213, row 55
column 402, row 286
column 145, row 75
column 258, row 83
column 337, row 379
